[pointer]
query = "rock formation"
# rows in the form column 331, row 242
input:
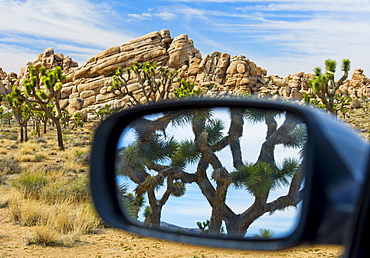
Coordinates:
column 358, row 86
column 6, row 81
column 88, row 86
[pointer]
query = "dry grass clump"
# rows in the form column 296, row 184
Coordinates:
column 27, row 212
column 81, row 220
column 50, row 189
column 60, row 224
column 42, row 235
column 28, row 148
column 59, row 208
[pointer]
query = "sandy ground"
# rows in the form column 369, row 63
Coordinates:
column 116, row 243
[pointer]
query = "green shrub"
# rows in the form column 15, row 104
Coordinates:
column 9, row 166
column 39, row 157
column 71, row 191
column 30, row 185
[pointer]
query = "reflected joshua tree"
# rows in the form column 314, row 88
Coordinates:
column 155, row 160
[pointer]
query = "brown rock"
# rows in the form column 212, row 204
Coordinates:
column 75, row 105
column 65, row 92
column 86, row 94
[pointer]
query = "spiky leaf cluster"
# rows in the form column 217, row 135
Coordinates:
column 179, row 189
column 187, row 89
column 144, row 152
column 258, row 179
column 185, row 154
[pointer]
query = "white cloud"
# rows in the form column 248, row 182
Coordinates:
column 15, row 56
column 139, row 17
column 167, row 16
column 78, row 25
column 280, row 42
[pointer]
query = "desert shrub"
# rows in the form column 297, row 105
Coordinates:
column 71, row 191
column 39, row 157
column 30, row 184
column 9, row 166
column 82, row 159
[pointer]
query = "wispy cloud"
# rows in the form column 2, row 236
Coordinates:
column 167, row 16
column 139, row 17
column 284, row 34
column 150, row 15
column 75, row 25
column 296, row 33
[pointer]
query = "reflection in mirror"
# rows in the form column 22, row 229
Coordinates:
column 227, row 172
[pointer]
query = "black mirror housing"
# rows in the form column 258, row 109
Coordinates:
column 335, row 166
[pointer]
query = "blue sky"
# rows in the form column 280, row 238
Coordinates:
column 283, row 37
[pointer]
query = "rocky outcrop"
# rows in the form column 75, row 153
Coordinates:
column 49, row 60
column 293, row 86
column 6, row 81
column 358, row 86
column 88, row 86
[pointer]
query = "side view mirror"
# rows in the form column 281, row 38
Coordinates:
column 229, row 173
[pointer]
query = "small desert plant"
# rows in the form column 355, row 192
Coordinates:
column 71, row 191
column 39, row 157
column 104, row 112
column 78, row 120
column 30, row 184
column 9, row 166
column 264, row 233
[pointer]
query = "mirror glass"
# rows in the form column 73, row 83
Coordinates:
column 228, row 172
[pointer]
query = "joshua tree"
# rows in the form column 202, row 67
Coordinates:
column 43, row 117
column 155, row 83
column 22, row 114
column 156, row 159
column 104, row 112
column 203, row 226
column 78, row 121
column 325, row 86
column 42, row 89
